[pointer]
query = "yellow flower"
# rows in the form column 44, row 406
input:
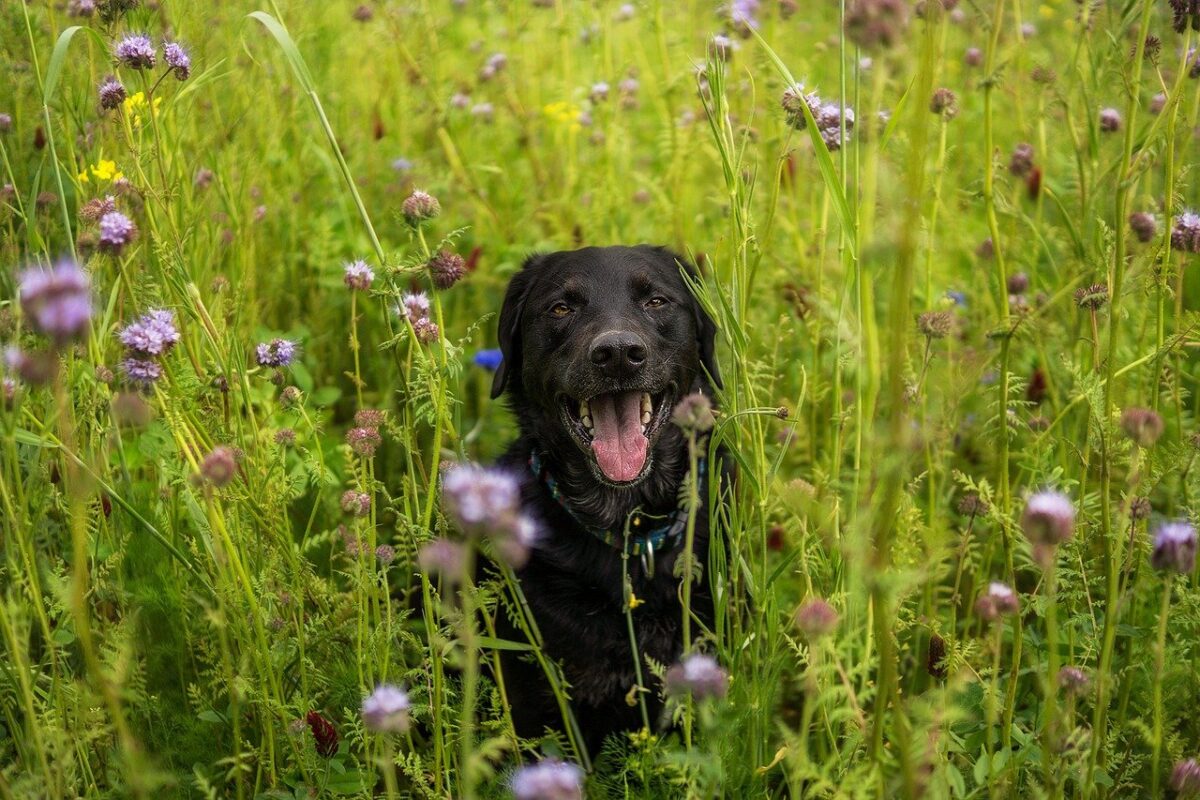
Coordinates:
column 136, row 104
column 563, row 113
column 83, row 178
column 634, row 601
column 106, row 170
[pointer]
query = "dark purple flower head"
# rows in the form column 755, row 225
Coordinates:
column 95, row 209
column 1110, row 120
column 385, row 710
column 443, row 557
column 277, row 353
column 135, row 51
column 694, row 413
column 1021, row 162
column 793, row 100
column 479, row 498
column 1073, row 680
column 742, row 15
column 816, row 618
column 116, row 231
column 57, row 301
column 446, row 269
column 944, row 103
column 1175, row 548
column 5, row 122
column 1092, row 297
column 324, row 734
column 154, row 334
column 141, row 371
column 34, row 368
column 8, row 391
column 550, row 779
column 698, row 675
column 1142, row 425
column 369, row 418
column 1185, row 778
column 1144, row 225
column 1049, row 518
column 364, row 441
column 1185, row 233
column 112, row 93
column 998, row 601
column 177, row 59
column 875, row 24
column 973, row 57
column 358, row 275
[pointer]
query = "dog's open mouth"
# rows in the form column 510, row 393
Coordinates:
column 618, row 427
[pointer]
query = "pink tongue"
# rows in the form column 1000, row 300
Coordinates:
column 619, row 443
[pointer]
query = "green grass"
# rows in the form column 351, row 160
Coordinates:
column 164, row 636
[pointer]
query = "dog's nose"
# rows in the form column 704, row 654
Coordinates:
column 618, row 354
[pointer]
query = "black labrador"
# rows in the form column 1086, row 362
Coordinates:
column 599, row 344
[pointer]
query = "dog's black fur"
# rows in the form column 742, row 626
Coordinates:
column 555, row 310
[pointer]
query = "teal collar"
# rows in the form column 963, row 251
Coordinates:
column 640, row 536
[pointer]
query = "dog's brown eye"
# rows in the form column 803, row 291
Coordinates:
column 560, row 310
column 656, row 302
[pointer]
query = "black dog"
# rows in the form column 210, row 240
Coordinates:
column 599, row 344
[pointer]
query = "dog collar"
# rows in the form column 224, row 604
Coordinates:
column 644, row 537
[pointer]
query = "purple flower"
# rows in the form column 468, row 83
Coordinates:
column 447, row 268
column 116, row 231
column 135, row 51
column 58, row 300
column 1049, row 518
column 1110, row 120
column 480, row 498
column 177, row 59
column 1174, row 548
column 998, row 601
column 112, row 93
column 363, row 441
column 143, row 371
column 277, row 353
column 1185, row 233
column 154, row 334
column 415, row 306
column 385, row 710
column 550, row 779
column 358, row 275
column 443, row 557
column 485, row 111
column 1185, row 778
column 698, row 675
column 741, row 14
column 356, row 504
column 402, row 165
column 419, row 207
column 385, row 554
column 219, row 466
column 1073, row 680
column 816, row 618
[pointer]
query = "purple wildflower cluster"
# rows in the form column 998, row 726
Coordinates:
column 358, row 276
column 829, row 117
column 116, row 231
column 1185, row 233
column 998, row 601
column 550, row 779
column 57, row 301
column 698, row 675
column 137, row 51
column 278, row 353
column 1175, row 548
column 112, row 93
column 147, row 340
column 415, row 306
column 742, row 15
column 385, row 710
column 486, row 503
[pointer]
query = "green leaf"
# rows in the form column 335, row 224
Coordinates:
column 492, row 643
column 325, row 396
column 208, row 715
column 354, row 782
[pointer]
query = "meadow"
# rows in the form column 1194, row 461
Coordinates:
column 251, row 257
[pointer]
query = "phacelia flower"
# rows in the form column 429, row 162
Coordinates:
column 1048, row 521
column 135, row 51
column 356, row 504
column 944, row 103
column 1018, row 283
column 443, row 557
column 793, row 101
column 599, row 92
column 973, row 57
column 816, row 618
column 1073, row 680
column 112, row 93
column 385, row 554
column 694, row 414
column 153, row 334
column 998, row 601
column 219, row 466
column 1143, row 225
column 550, row 779
column 447, row 268
column 324, row 733
column 1158, row 103
column 141, row 371
column 1174, row 548
column 1142, row 425
column 698, row 675
column 935, row 324
column 5, row 122
column 178, row 60
column 364, row 441
column 276, row 353
column 741, row 15
column 972, row 505
column 358, row 275
column 479, row 498
column 1185, row 233
column 285, row 437
column 1185, row 778
column 34, row 368
column 93, row 210
column 483, row 111
column 1021, row 162
column 1092, row 297
column 1110, row 120
column 58, row 300
column 369, row 418
column 385, row 710
column 116, row 231
column 419, row 207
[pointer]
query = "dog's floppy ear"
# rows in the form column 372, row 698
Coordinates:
column 706, row 329
column 509, row 332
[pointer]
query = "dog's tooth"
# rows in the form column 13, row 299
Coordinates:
column 645, row 417
column 647, row 406
column 585, row 409
column 587, row 421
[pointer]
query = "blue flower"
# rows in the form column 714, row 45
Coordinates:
column 488, row 359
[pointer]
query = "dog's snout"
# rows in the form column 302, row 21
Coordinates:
column 618, row 354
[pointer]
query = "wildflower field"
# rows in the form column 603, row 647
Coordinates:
column 251, row 258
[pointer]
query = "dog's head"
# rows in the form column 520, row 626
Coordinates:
column 598, row 346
